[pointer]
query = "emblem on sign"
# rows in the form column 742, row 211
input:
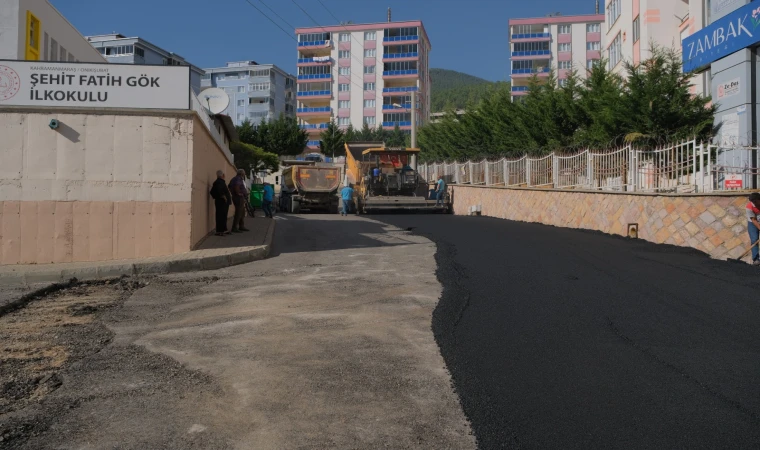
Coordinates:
column 10, row 83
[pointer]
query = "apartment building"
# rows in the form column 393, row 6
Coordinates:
column 119, row 49
column 362, row 74
column 562, row 43
column 257, row 91
column 34, row 30
column 632, row 27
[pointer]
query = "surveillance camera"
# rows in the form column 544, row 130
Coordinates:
column 53, row 124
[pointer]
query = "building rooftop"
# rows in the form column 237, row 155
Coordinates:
column 365, row 26
column 154, row 47
column 558, row 19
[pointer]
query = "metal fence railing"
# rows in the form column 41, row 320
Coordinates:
column 686, row 167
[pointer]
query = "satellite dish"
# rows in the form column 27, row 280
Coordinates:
column 215, row 100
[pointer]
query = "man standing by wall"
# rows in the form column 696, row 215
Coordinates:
column 222, row 202
column 440, row 192
column 238, row 190
column 268, row 199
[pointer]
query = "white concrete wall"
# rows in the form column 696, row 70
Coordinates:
column 94, row 157
column 13, row 31
column 579, row 48
column 357, row 78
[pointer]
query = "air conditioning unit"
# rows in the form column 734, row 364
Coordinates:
column 327, row 43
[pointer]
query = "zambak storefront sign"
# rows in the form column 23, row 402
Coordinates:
column 729, row 34
column 34, row 83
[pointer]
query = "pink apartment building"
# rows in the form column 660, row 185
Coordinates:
column 362, row 73
column 562, row 43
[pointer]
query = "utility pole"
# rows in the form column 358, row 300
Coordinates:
column 414, row 129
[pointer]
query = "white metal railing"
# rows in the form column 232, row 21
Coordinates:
column 684, row 167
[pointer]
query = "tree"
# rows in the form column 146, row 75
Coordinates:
column 395, row 138
column 351, row 134
column 332, row 140
column 282, row 136
column 249, row 157
column 366, row 134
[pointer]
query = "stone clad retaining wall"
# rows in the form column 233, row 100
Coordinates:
column 712, row 223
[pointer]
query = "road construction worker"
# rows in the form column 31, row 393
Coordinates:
column 347, row 195
column 753, row 226
column 440, row 191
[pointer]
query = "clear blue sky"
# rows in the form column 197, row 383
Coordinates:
column 467, row 35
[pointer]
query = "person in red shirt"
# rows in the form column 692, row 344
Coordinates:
column 753, row 226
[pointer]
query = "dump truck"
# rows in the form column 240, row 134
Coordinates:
column 309, row 185
column 397, row 186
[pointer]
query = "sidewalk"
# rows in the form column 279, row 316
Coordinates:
column 215, row 252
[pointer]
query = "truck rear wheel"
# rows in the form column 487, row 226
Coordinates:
column 295, row 206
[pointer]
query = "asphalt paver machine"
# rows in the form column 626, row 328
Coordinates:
column 384, row 180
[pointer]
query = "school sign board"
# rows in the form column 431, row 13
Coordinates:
column 731, row 33
column 36, row 83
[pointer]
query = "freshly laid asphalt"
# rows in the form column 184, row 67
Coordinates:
column 559, row 338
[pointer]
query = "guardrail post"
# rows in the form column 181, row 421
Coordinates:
column 632, row 169
column 469, row 175
column 487, row 177
column 456, row 173
column 694, row 156
column 590, row 169
column 527, row 171
column 555, row 171
column 506, row 171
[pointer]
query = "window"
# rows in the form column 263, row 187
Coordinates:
column 563, row 82
column 565, row 64
column 593, row 45
column 614, row 52
column 260, row 73
column 590, row 63
column 313, row 37
column 344, row 71
column 53, row 50
column 613, row 12
column 369, row 86
column 370, row 36
column 370, row 53
column 370, row 120
column 64, row 55
column 241, row 103
column 345, row 37
column 258, row 101
column 564, row 47
column 369, row 69
column 220, row 77
column 531, row 46
column 636, row 29
column 344, row 104
column 593, row 28
column 32, row 37
column 344, row 54
column 344, row 87
column 369, row 103
column 259, row 86
column 344, row 121
column 71, row 58
column 564, row 29
column 241, row 117
column 206, row 76
column 241, row 89
column 139, row 52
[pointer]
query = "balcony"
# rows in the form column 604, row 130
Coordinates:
column 314, row 126
column 315, row 111
column 401, row 106
column 409, row 55
column 315, row 60
column 520, row 90
column 314, row 44
column 400, row 89
column 527, row 73
column 531, row 36
column 309, row 95
column 401, row 38
column 401, row 73
column 317, row 76
column 537, row 54
column 400, row 124
column 312, row 144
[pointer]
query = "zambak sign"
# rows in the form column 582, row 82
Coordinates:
column 33, row 83
column 726, row 35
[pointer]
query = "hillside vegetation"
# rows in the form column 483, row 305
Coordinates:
column 452, row 89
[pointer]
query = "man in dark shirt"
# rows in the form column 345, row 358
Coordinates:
column 222, row 202
column 238, row 190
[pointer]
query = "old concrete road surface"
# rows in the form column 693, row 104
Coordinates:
column 560, row 338
column 327, row 344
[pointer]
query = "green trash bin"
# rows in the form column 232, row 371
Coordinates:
column 257, row 196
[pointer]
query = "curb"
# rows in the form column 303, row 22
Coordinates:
column 109, row 270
